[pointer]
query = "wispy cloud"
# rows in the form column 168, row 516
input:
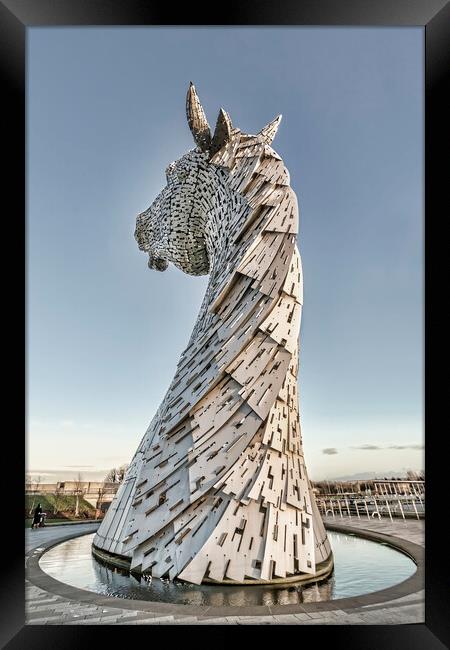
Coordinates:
column 67, row 423
column 376, row 447
column 79, row 466
column 53, row 475
column 406, row 447
column 329, row 451
column 367, row 447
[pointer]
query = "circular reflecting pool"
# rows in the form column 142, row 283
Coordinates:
column 360, row 567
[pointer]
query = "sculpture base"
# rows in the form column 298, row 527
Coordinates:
column 323, row 571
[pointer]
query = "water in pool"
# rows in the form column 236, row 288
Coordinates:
column 360, row 567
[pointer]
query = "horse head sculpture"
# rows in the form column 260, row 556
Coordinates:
column 177, row 226
column 218, row 489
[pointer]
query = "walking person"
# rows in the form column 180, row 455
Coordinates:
column 37, row 516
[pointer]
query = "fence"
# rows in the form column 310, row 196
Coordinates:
column 376, row 506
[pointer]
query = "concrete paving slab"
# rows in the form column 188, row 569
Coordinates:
column 77, row 607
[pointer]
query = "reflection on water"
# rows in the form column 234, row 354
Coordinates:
column 361, row 566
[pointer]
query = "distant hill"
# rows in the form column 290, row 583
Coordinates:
column 60, row 507
column 361, row 476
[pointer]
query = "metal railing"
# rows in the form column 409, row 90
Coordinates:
column 371, row 507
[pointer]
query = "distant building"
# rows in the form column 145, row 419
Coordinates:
column 98, row 493
column 399, row 486
column 383, row 486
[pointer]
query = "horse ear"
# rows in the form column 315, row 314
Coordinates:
column 222, row 132
column 270, row 130
column 197, row 119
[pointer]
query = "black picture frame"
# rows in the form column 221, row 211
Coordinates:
column 434, row 15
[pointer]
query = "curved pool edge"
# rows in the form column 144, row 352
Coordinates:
column 37, row 576
column 325, row 569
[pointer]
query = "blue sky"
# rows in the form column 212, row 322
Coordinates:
column 106, row 114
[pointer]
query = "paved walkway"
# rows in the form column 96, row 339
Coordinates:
column 48, row 607
column 411, row 529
